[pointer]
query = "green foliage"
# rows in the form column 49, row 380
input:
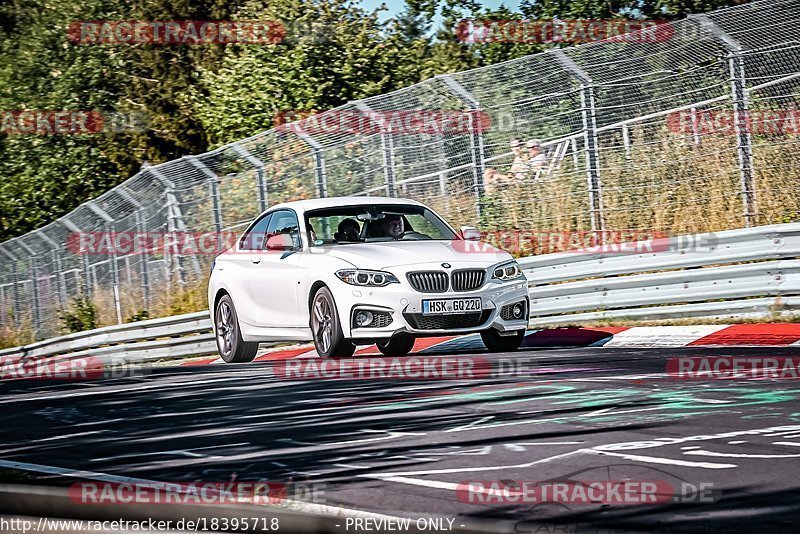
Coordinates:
column 606, row 9
column 141, row 315
column 81, row 316
column 193, row 98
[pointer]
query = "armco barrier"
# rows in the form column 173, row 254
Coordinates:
column 178, row 336
column 750, row 272
column 747, row 272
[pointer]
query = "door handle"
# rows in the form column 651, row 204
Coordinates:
column 256, row 259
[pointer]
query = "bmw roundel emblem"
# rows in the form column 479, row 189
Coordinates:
column 446, row 265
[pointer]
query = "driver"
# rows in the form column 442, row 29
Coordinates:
column 393, row 226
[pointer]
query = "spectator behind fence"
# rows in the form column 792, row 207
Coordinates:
column 535, row 157
column 494, row 179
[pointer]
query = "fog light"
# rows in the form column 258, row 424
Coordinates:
column 363, row 318
column 518, row 310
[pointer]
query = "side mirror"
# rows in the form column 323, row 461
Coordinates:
column 280, row 242
column 470, row 233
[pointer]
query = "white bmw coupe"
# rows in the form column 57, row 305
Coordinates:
column 358, row 270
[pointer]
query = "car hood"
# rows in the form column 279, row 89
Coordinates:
column 401, row 253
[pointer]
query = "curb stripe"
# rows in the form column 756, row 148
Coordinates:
column 776, row 334
column 767, row 335
column 663, row 336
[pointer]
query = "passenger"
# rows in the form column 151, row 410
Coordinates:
column 348, row 230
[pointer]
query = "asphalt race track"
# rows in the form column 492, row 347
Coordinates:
column 404, row 447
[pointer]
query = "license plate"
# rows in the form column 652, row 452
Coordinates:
column 450, row 306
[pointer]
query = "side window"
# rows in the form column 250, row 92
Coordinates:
column 284, row 222
column 255, row 238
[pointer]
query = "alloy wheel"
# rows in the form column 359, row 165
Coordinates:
column 225, row 329
column 322, row 322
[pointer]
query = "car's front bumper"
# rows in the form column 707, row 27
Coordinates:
column 404, row 305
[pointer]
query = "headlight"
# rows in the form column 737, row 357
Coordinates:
column 360, row 277
column 507, row 271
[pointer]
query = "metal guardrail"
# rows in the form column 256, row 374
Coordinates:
column 750, row 272
column 179, row 336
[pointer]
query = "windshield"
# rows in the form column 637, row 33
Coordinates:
column 369, row 224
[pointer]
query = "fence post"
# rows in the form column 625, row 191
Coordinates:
column 387, row 146
column 741, row 114
column 172, row 224
column 59, row 275
column 14, row 283
column 216, row 201
column 626, row 140
column 443, row 184
column 263, row 196
column 176, row 221
column 144, row 268
column 319, row 163
column 35, row 288
column 476, row 138
column 695, row 132
column 589, row 116
column 744, row 143
column 109, row 228
column 86, row 290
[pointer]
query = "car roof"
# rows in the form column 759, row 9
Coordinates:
column 333, row 202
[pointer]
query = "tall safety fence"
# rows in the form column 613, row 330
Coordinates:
column 695, row 130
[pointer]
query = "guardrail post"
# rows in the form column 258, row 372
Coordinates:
column 263, row 195
column 476, row 138
column 319, row 163
column 590, row 143
column 387, row 146
column 741, row 114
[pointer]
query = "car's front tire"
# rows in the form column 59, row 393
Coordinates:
column 328, row 337
column 230, row 345
column 397, row 345
column 497, row 343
